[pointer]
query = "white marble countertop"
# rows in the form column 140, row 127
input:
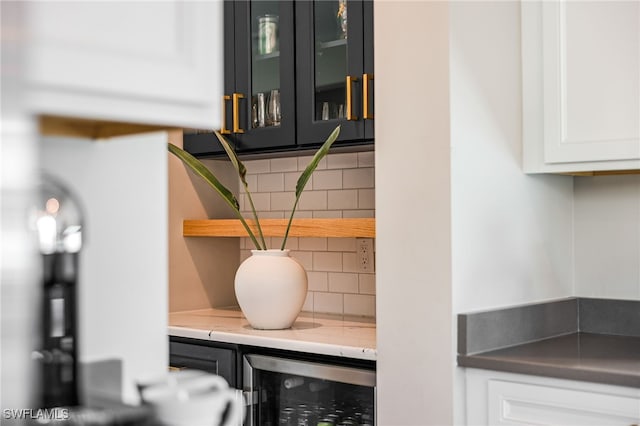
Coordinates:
column 335, row 335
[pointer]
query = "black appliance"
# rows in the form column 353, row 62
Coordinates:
column 58, row 222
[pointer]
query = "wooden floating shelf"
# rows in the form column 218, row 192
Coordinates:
column 339, row 228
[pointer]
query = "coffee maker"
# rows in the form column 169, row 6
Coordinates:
column 58, row 222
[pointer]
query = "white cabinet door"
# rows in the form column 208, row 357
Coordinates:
column 581, row 78
column 496, row 398
column 156, row 63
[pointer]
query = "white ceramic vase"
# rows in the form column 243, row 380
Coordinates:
column 271, row 288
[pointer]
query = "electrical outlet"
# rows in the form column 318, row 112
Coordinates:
column 364, row 255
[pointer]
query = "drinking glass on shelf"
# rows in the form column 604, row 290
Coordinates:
column 260, row 106
column 325, row 110
column 275, row 116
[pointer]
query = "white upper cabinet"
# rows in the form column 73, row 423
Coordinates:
column 581, row 85
column 156, row 63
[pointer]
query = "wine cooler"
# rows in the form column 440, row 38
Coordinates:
column 284, row 391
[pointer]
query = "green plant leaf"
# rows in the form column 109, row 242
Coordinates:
column 320, row 154
column 237, row 164
column 306, row 175
column 242, row 173
column 201, row 170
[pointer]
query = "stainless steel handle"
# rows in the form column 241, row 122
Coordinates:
column 349, row 375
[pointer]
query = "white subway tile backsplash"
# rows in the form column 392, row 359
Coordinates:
column 271, row 182
column 361, row 305
column 331, row 303
column 268, row 215
column 327, row 261
column 308, row 303
column 257, row 166
column 366, row 159
column 340, row 282
column 292, row 243
column 300, row 214
column 342, row 199
column 303, row 162
column 313, row 244
column 358, row 213
column 342, row 161
column 318, row 281
column 341, row 186
column 349, row 262
column 252, row 182
column 287, row 164
column 304, row 257
column 291, row 179
column 342, row 244
column 282, row 200
column 327, row 214
column 262, row 202
column 358, row 178
column 367, row 283
column 327, row 179
column 366, row 198
column 313, row 200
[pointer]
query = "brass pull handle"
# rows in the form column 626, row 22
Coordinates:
column 172, row 368
column 223, row 129
column 350, row 115
column 365, row 96
column 236, row 112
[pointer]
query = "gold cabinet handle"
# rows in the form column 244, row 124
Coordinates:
column 223, row 129
column 236, row 113
column 350, row 115
column 365, row 96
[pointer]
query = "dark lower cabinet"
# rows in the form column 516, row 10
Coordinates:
column 293, row 72
column 216, row 358
column 286, row 387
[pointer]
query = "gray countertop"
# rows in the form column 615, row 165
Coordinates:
column 594, row 340
column 589, row 357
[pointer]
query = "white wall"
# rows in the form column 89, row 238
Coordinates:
column 201, row 270
column 607, row 236
column 122, row 183
column 479, row 232
column 511, row 233
column 413, row 211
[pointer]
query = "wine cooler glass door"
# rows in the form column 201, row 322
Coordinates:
column 288, row 392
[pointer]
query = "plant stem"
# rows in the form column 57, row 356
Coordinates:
column 286, row 233
column 255, row 215
column 251, row 235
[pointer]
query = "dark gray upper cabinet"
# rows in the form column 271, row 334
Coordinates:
column 334, row 70
column 293, row 71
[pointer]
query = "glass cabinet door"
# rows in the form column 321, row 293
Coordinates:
column 330, row 68
column 264, row 86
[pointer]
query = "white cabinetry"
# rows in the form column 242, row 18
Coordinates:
column 156, row 63
column 581, row 85
column 496, row 398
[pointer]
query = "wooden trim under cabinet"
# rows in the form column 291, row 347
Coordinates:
column 602, row 173
column 339, row 228
column 92, row 129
